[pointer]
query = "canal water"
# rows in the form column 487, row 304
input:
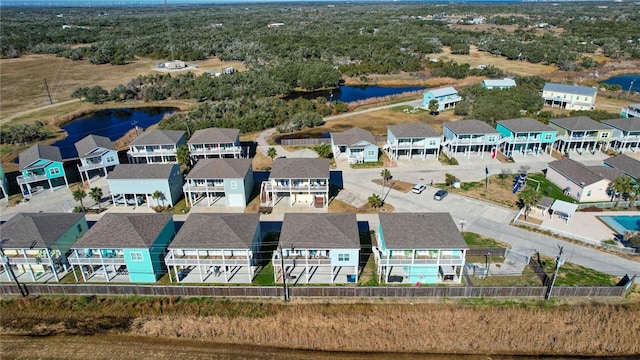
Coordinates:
column 355, row 93
column 625, row 82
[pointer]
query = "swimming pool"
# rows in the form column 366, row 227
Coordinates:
column 622, row 224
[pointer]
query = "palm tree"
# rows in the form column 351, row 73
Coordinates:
column 529, row 197
column 621, row 185
column 79, row 195
column 386, row 175
column 96, row 195
column 272, row 153
column 375, row 200
column 183, row 156
column 158, row 195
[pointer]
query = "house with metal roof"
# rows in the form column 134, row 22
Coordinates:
column 628, row 165
column 40, row 165
column 500, row 84
column 424, row 248
column 156, row 146
column 583, row 183
column 35, row 245
column 215, row 248
column 525, row 136
column 569, row 97
column 626, row 134
column 215, row 143
column 123, row 247
column 318, row 248
column 407, row 140
column 579, row 134
column 219, row 182
column 96, row 153
column 356, row 144
column 469, row 136
column 297, row 181
column 447, row 98
column 631, row 111
column 135, row 184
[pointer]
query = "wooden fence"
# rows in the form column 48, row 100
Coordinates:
column 305, row 142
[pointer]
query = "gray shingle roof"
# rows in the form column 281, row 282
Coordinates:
column 473, row 126
column 413, row 130
column 575, row 171
column 352, row 137
column 159, row 137
column 422, row 231
column 570, row 89
column 606, row 172
column 625, row 124
column 92, row 142
column 142, row 171
column 579, row 123
column 37, row 152
column 120, row 231
column 320, row 231
column 220, row 168
column 301, row 168
column 214, row 136
column 36, row 230
column 525, row 125
column 442, row 91
column 217, row 231
column 626, row 164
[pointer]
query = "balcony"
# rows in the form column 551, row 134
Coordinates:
column 300, row 260
column 22, row 180
column 215, row 151
column 82, row 257
column 422, row 260
column 477, row 140
column 217, row 260
column 188, row 187
column 91, row 166
column 155, row 152
column 293, row 186
column 631, row 111
column 579, row 138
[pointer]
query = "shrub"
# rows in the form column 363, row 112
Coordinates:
column 450, row 178
column 591, row 209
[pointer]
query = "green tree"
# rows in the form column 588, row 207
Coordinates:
column 79, row 195
column 622, row 187
column 183, row 155
column 324, row 150
column 272, row 153
column 433, row 106
column 528, row 198
column 375, row 200
column 386, row 175
column 96, row 195
column 449, row 179
column 158, row 196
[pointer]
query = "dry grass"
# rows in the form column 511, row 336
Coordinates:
column 396, row 185
column 337, row 206
column 261, row 162
column 499, row 191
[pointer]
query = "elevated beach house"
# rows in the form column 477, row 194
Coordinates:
column 412, row 139
column 447, row 98
column 123, row 248
column 626, row 134
column 318, row 248
column 580, row 133
column 525, row 136
column 40, row 165
column 215, row 143
column 96, row 153
column 631, row 111
column 424, row 248
column 303, row 181
column 357, row 145
column 35, row 245
column 135, row 184
column 215, row 248
column 156, row 146
column 569, row 97
column 469, row 136
column 221, row 181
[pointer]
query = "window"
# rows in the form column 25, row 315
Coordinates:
column 234, row 185
column 343, row 257
column 432, row 142
column 54, row 171
column 589, row 193
column 604, row 135
column 370, row 153
column 110, row 158
column 136, row 256
column 547, row 136
column 492, row 139
column 79, row 227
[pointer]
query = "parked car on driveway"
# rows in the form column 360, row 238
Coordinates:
column 440, row 194
column 119, row 199
column 419, row 188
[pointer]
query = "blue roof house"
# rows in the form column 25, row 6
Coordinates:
column 96, row 153
column 124, row 248
column 500, row 84
column 358, row 145
column 412, row 139
column 570, row 97
column 39, row 164
column 134, row 184
column 447, row 98
column 525, row 136
column 221, row 181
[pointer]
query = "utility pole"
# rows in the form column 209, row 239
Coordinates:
column 284, row 275
column 51, row 101
column 630, row 86
column 559, row 263
column 135, row 126
column 12, row 275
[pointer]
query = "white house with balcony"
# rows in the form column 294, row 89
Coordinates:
column 215, row 143
column 580, row 134
column 96, row 153
column 469, row 136
column 407, row 140
column 297, row 181
column 424, row 248
column 569, row 97
column 626, row 134
column 446, row 97
column 219, row 182
column 156, row 146
column 631, row 111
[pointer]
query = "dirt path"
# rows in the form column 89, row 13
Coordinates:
column 26, row 112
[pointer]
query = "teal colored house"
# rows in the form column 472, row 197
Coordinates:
column 36, row 244
column 4, row 187
column 40, row 164
column 446, row 97
column 424, row 248
column 135, row 184
column 219, row 182
column 358, row 145
column 124, row 248
column 525, row 136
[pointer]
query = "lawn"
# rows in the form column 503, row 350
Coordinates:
column 547, row 188
column 265, row 276
column 477, row 240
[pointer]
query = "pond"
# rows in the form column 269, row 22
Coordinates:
column 354, row 93
column 112, row 123
column 625, row 81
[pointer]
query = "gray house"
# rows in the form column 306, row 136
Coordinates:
column 301, row 181
column 134, row 184
column 628, row 165
column 215, row 143
column 96, row 153
column 468, row 136
column 412, row 139
column 626, row 134
column 215, row 248
column 221, row 181
column 358, row 145
column 156, row 146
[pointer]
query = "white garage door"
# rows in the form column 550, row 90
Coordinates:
column 236, row 200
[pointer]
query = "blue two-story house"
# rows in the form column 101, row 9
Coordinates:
column 446, row 97
column 40, row 164
column 219, row 181
column 124, row 248
column 467, row 136
column 626, row 134
column 96, row 153
column 412, row 139
column 525, row 136
column 358, row 145
column 135, row 184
